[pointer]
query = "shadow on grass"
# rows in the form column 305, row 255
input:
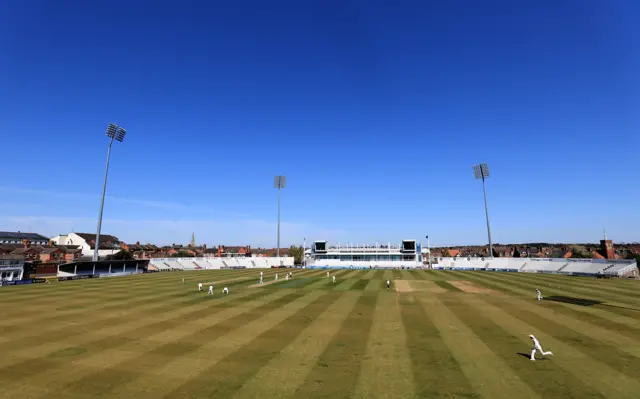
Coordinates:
column 573, row 301
column 528, row 356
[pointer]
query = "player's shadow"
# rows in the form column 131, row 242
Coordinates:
column 528, row 356
column 572, row 300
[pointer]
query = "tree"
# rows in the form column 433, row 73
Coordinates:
column 446, row 253
column 580, row 252
column 516, row 253
column 631, row 255
column 297, row 253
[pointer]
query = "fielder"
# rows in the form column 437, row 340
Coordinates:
column 539, row 294
column 334, row 279
column 199, row 286
column 225, row 291
column 327, row 273
column 276, row 276
column 210, row 290
column 537, row 347
column 388, row 284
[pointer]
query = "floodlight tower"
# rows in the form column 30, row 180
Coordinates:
column 481, row 171
column 279, row 182
column 114, row 132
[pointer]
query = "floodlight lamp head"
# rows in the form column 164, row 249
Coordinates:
column 481, row 171
column 279, row 181
column 120, row 134
column 112, row 130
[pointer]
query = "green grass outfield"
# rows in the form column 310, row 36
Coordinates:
column 435, row 334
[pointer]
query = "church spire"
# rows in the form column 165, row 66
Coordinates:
column 193, row 240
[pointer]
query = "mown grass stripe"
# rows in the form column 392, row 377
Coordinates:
column 590, row 378
column 447, row 286
column 213, row 348
column 622, row 353
column 379, row 274
column 55, row 373
column 76, row 321
column 360, row 285
column 546, row 378
column 103, row 304
column 285, row 373
column 595, row 315
column 506, row 284
column 336, row 372
column 224, row 378
column 101, row 334
column 345, row 285
column 436, row 373
column 487, row 373
column 386, row 370
column 592, row 283
column 374, row 285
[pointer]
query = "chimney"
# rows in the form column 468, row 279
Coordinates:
column 25, row 243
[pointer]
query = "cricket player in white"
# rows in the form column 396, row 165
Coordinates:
column 225, row 290
column 327, row 273
column 539, row 294
column 199, row 286
column 286, row 276
column 210, row 290
column 537, row 347
column 334, row 279
column 182, row 280
column 388, row 284
column 276, row 276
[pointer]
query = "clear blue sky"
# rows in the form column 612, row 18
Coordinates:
column 375, row 111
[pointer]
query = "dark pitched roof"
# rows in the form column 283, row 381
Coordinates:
column 106, row 241
column 49, row 250
column 103, row 237
column 68, row 247
column 21, row 236
column 20, row 251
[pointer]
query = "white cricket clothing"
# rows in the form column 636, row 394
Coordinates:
column 199, row 286
column 225, row 290
column 334, row 279
column 537, row 347
column 210, row 290
column 388, row 283
column 539, row 294
column 327, row 274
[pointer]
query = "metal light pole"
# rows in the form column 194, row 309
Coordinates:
column 481, row 171
column 429, row 250
column 279, row 182
column 114, row 132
